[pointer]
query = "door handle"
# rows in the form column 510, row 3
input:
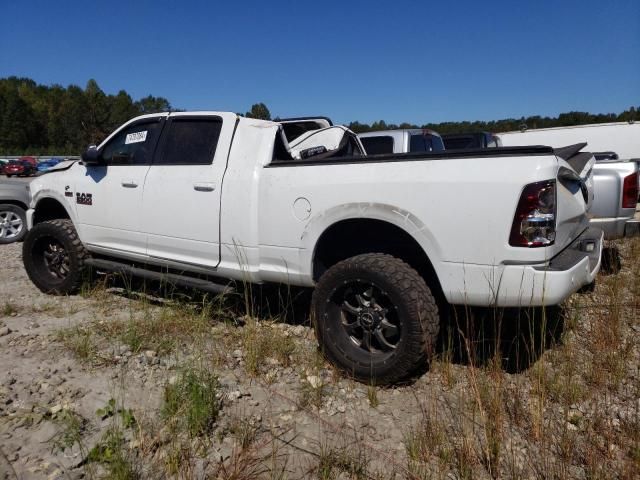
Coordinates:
column 129, row 184
column 204, row 187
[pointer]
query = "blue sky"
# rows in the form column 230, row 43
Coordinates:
column 415, row 61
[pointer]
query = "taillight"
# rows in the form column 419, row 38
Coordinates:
column 630, row 191
column 534, row 224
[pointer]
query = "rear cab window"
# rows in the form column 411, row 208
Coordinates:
column 190, row 141
column 377, row 145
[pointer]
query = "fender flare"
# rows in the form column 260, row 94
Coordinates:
column 393, row 215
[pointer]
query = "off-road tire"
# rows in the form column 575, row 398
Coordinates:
column 63, row 233
column 23, row 217
column 416, row 313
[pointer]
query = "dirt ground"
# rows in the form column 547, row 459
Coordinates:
column 86, row 386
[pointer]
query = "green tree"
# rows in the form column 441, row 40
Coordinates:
column 259, row 111
column 95, row 118
column 121, row 109
column 151, row 104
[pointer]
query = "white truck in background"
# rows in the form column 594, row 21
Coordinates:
column 620, row 137
column 617, row 150
column 203, row 198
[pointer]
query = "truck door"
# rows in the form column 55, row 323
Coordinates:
column 181, row 211
column 108, row 196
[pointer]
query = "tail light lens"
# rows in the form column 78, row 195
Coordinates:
column 630, row 191
column 534, row 224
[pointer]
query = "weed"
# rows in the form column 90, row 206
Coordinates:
column 311, row 392
column 192, row 403
column 110, row 409
column 244, row 430
column 160, row 329
column 333, row 461
column 426, row 439
column 81, row 342
column 9, row 309
column 72, row 426
column 372, row 396
column 262, row 341
column 110, row 451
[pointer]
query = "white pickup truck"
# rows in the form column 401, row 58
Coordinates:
column 201, row 198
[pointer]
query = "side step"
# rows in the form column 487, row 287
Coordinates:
column 170, row 278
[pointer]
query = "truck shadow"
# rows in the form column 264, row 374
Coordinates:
column 517, row 337
column 468, row 335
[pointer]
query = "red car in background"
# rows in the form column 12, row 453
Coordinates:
column 21, row 168
column 31, row 160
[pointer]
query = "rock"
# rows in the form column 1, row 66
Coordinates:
column 235, row 395
column 124, row 349
column 298, row 330
column 150, row 353
column 4, row 331
column 55, row 409
column 237, row 354
column 314, row 381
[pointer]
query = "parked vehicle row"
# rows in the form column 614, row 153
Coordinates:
column 26, row 166
column 615, row 181
column 385, row 240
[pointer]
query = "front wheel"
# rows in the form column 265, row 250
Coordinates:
column 54, row 256
column 375, row 318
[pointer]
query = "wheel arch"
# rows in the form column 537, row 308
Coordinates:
column 374, row 229
column 49, row 208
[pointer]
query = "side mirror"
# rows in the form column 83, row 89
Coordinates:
column 91, row 156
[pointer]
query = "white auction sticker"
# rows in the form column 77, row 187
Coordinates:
column 136, row 137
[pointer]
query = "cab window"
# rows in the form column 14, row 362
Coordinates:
column 134, row 145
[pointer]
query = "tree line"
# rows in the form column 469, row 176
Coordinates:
column 507, row 125
column 40, row 119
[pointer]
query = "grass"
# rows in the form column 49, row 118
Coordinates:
column 372, row 396
column 9, row 309
column 338, row 461
column 192, row 403
column 262, row 342
column 567, row 409
column 82, row 342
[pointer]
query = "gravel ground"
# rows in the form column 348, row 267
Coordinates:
column 304, row 419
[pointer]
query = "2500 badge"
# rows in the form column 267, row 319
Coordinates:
column 84, row 198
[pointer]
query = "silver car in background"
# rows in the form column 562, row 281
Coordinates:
column 616, row 196
column 14, row 202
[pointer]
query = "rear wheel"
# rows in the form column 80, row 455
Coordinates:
column 13, row 223
column 375, row 318
column 54, row 256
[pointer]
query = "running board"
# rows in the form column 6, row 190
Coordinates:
column 170, row 278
